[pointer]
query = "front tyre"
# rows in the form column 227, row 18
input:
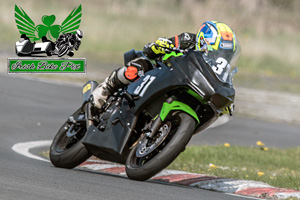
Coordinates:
column 63, row 50
column 67, row 150
column 144, row 161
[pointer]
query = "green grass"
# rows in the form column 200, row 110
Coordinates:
column 277, row 167
column 45, row 154
column 269, row 73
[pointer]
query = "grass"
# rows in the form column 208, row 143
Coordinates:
column 277, row 167
column 45, row 154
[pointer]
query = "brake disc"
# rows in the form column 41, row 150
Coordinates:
column 148, row 145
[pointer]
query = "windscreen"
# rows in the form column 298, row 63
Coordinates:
column 223, row 62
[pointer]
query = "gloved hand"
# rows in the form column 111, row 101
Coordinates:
column 160, row 44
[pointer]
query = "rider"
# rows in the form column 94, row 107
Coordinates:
column 211, row 35
column 74, row 39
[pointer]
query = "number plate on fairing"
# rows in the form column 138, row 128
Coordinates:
column 142, row 88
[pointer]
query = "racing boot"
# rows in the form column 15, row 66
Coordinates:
column 111, row 84
column 119, row 79
column 100, row 94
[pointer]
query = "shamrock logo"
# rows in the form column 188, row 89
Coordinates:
column 27, row 26
column 47, row 28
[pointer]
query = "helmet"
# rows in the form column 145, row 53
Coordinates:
column 222, row 47
column 216, row 34
column 79, row 34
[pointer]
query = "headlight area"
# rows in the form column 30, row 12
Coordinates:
column 221, row 102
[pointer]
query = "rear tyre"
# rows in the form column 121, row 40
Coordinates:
column 68, row 152
column 139, row 167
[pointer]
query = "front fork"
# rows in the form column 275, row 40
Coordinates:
column 88, row 115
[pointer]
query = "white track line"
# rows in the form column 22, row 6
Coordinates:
column 24, row 147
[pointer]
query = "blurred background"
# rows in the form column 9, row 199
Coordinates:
column 268, row 31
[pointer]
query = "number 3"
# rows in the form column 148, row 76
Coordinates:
column 221, row 65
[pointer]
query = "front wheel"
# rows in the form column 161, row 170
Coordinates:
column 63, row 50
column 147, row 158
column 67, row 150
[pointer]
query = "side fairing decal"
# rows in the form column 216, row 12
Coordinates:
column 142, row 88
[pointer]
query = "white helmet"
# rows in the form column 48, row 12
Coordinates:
column 79, row 34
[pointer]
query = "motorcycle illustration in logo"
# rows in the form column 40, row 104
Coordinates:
column 59, row 40
column 67, row 35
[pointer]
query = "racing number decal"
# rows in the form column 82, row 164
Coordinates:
column 141, row 89
column 222, row 64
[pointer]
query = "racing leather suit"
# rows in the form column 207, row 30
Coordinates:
column 137, row 67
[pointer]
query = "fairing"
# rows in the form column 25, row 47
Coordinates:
column 223, row 62
column 186, row 73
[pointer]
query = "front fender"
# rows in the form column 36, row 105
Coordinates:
column 176, row 105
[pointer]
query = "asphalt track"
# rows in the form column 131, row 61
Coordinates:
column 33, row 110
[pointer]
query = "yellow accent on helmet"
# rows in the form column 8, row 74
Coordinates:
column 216, row 34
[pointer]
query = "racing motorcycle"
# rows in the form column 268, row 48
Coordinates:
column 148, row 124
column 64, row 48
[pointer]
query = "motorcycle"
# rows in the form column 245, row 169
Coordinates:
column 148, row 124
column 64, row 48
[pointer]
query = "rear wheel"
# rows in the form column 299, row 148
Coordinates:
column 67, row 150
column 149, row 157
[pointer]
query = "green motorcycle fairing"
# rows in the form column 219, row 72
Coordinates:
column 176, row 105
